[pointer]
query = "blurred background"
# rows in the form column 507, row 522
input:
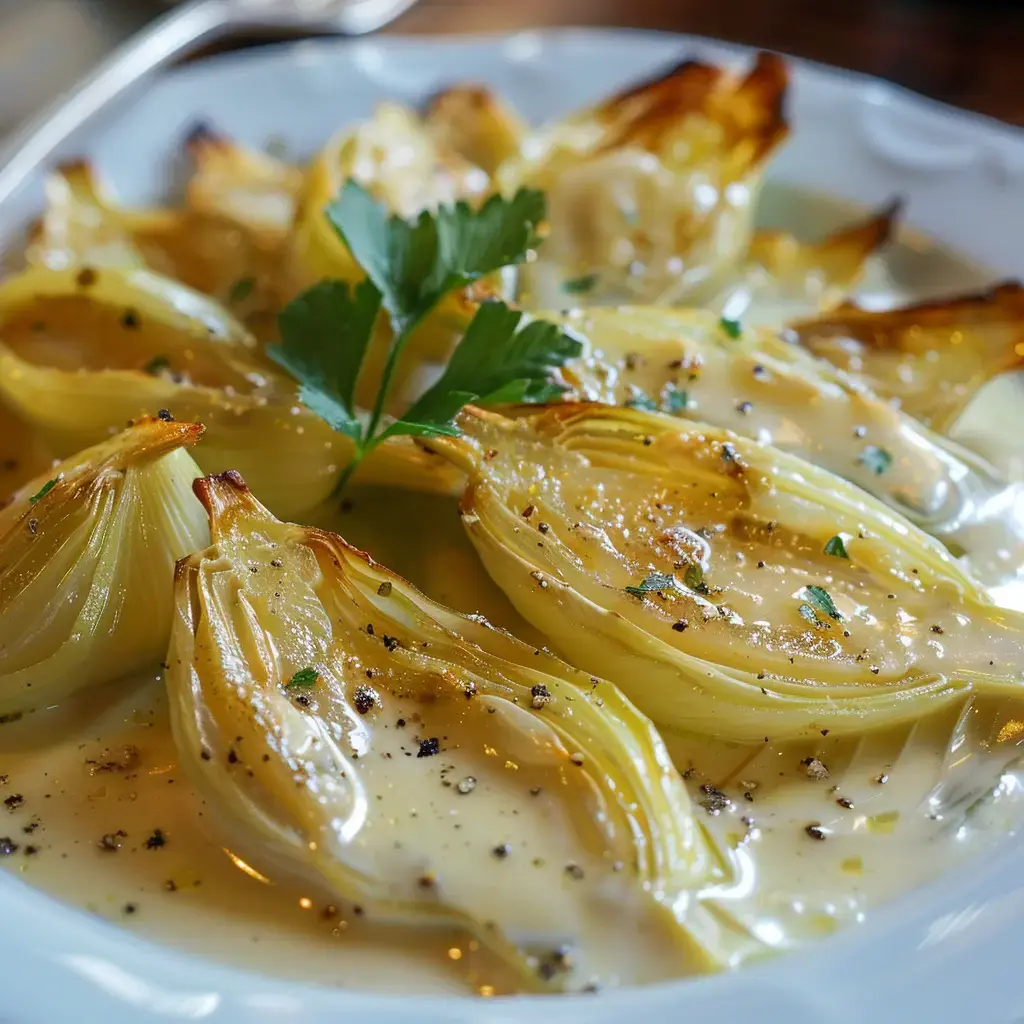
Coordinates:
column 966, row 52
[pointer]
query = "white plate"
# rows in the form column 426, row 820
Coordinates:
column 949, row 952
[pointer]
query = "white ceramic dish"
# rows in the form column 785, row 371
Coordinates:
column 949, row 952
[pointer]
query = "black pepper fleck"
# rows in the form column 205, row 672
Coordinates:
column 111, row 842
column 156, row 840
column 428, row 748
column 714, row 800
column 365, row 699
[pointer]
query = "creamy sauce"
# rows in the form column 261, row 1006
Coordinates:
column 818, row 832
column 194, row 893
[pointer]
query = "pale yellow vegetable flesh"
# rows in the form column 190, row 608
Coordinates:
column 783, row 277
column 436, row 771
column 200, row 245
column 84, row 350
column 570, row 507
column 651, row 193
column 87, row 558
column 686, row 363
column 931, row 357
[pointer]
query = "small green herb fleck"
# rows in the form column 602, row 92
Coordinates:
column 303, row 679
column 42, row 492
column 157, row 365
column 836, row 547
column 674, row 402
column 580, row 285
column 241, row 290
column 807, row 612
column 656, row 581
column 876, row 459
column 694, row 576
column 731, row 327
column 640, row 400
column 822, row 600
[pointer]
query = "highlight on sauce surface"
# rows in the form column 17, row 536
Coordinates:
column 479, row 559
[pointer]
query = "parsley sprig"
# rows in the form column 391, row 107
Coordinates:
column 411, row 266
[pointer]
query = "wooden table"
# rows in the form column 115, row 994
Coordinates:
column 966, row 52
column 970, row 54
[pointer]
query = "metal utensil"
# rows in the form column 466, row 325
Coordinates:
column 176, row 35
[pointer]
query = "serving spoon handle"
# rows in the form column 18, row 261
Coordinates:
column 177, row 34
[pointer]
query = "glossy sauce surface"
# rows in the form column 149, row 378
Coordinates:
column 105, row 763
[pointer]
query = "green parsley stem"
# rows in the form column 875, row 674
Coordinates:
column 368, row 441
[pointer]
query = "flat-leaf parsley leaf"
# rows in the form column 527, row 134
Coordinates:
column 411, row 266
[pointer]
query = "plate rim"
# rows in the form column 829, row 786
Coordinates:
column 778, row 986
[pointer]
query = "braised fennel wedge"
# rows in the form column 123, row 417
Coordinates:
column 783, row 277
column 345, row 728
column 932, row 357
column 87, row 558
column 84, row 350
column 728, row 588
column 400, row 161
column 199, row 245
column 651, row 193
column 695, row 365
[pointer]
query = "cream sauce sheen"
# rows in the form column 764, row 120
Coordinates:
column 97, row 812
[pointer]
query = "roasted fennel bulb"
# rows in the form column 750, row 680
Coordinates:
column 199, row 246
column 471, row 121
column 782, row 277
column 84, row 350
column 728, row 588
column 651, row 192
column 87, row 559
column 932, row 357
column 692, row 364
column 424, row 765
column 400, row 162
column 251, row 189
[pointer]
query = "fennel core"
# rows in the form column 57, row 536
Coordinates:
column 503, row 357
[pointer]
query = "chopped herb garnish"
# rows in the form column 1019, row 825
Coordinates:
column 241, row 290
column 822, row 600
column 639, row 400
column 658, row 581
column 655, row 582
column 504, row 356
column 303, row 679
column 731, row 327
column 675, row 401
column 157, row 365
column 808, row 613
column 878, row 460
column 42, row 492
column 836, row 547
column 580, row 285
column 694, row 576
